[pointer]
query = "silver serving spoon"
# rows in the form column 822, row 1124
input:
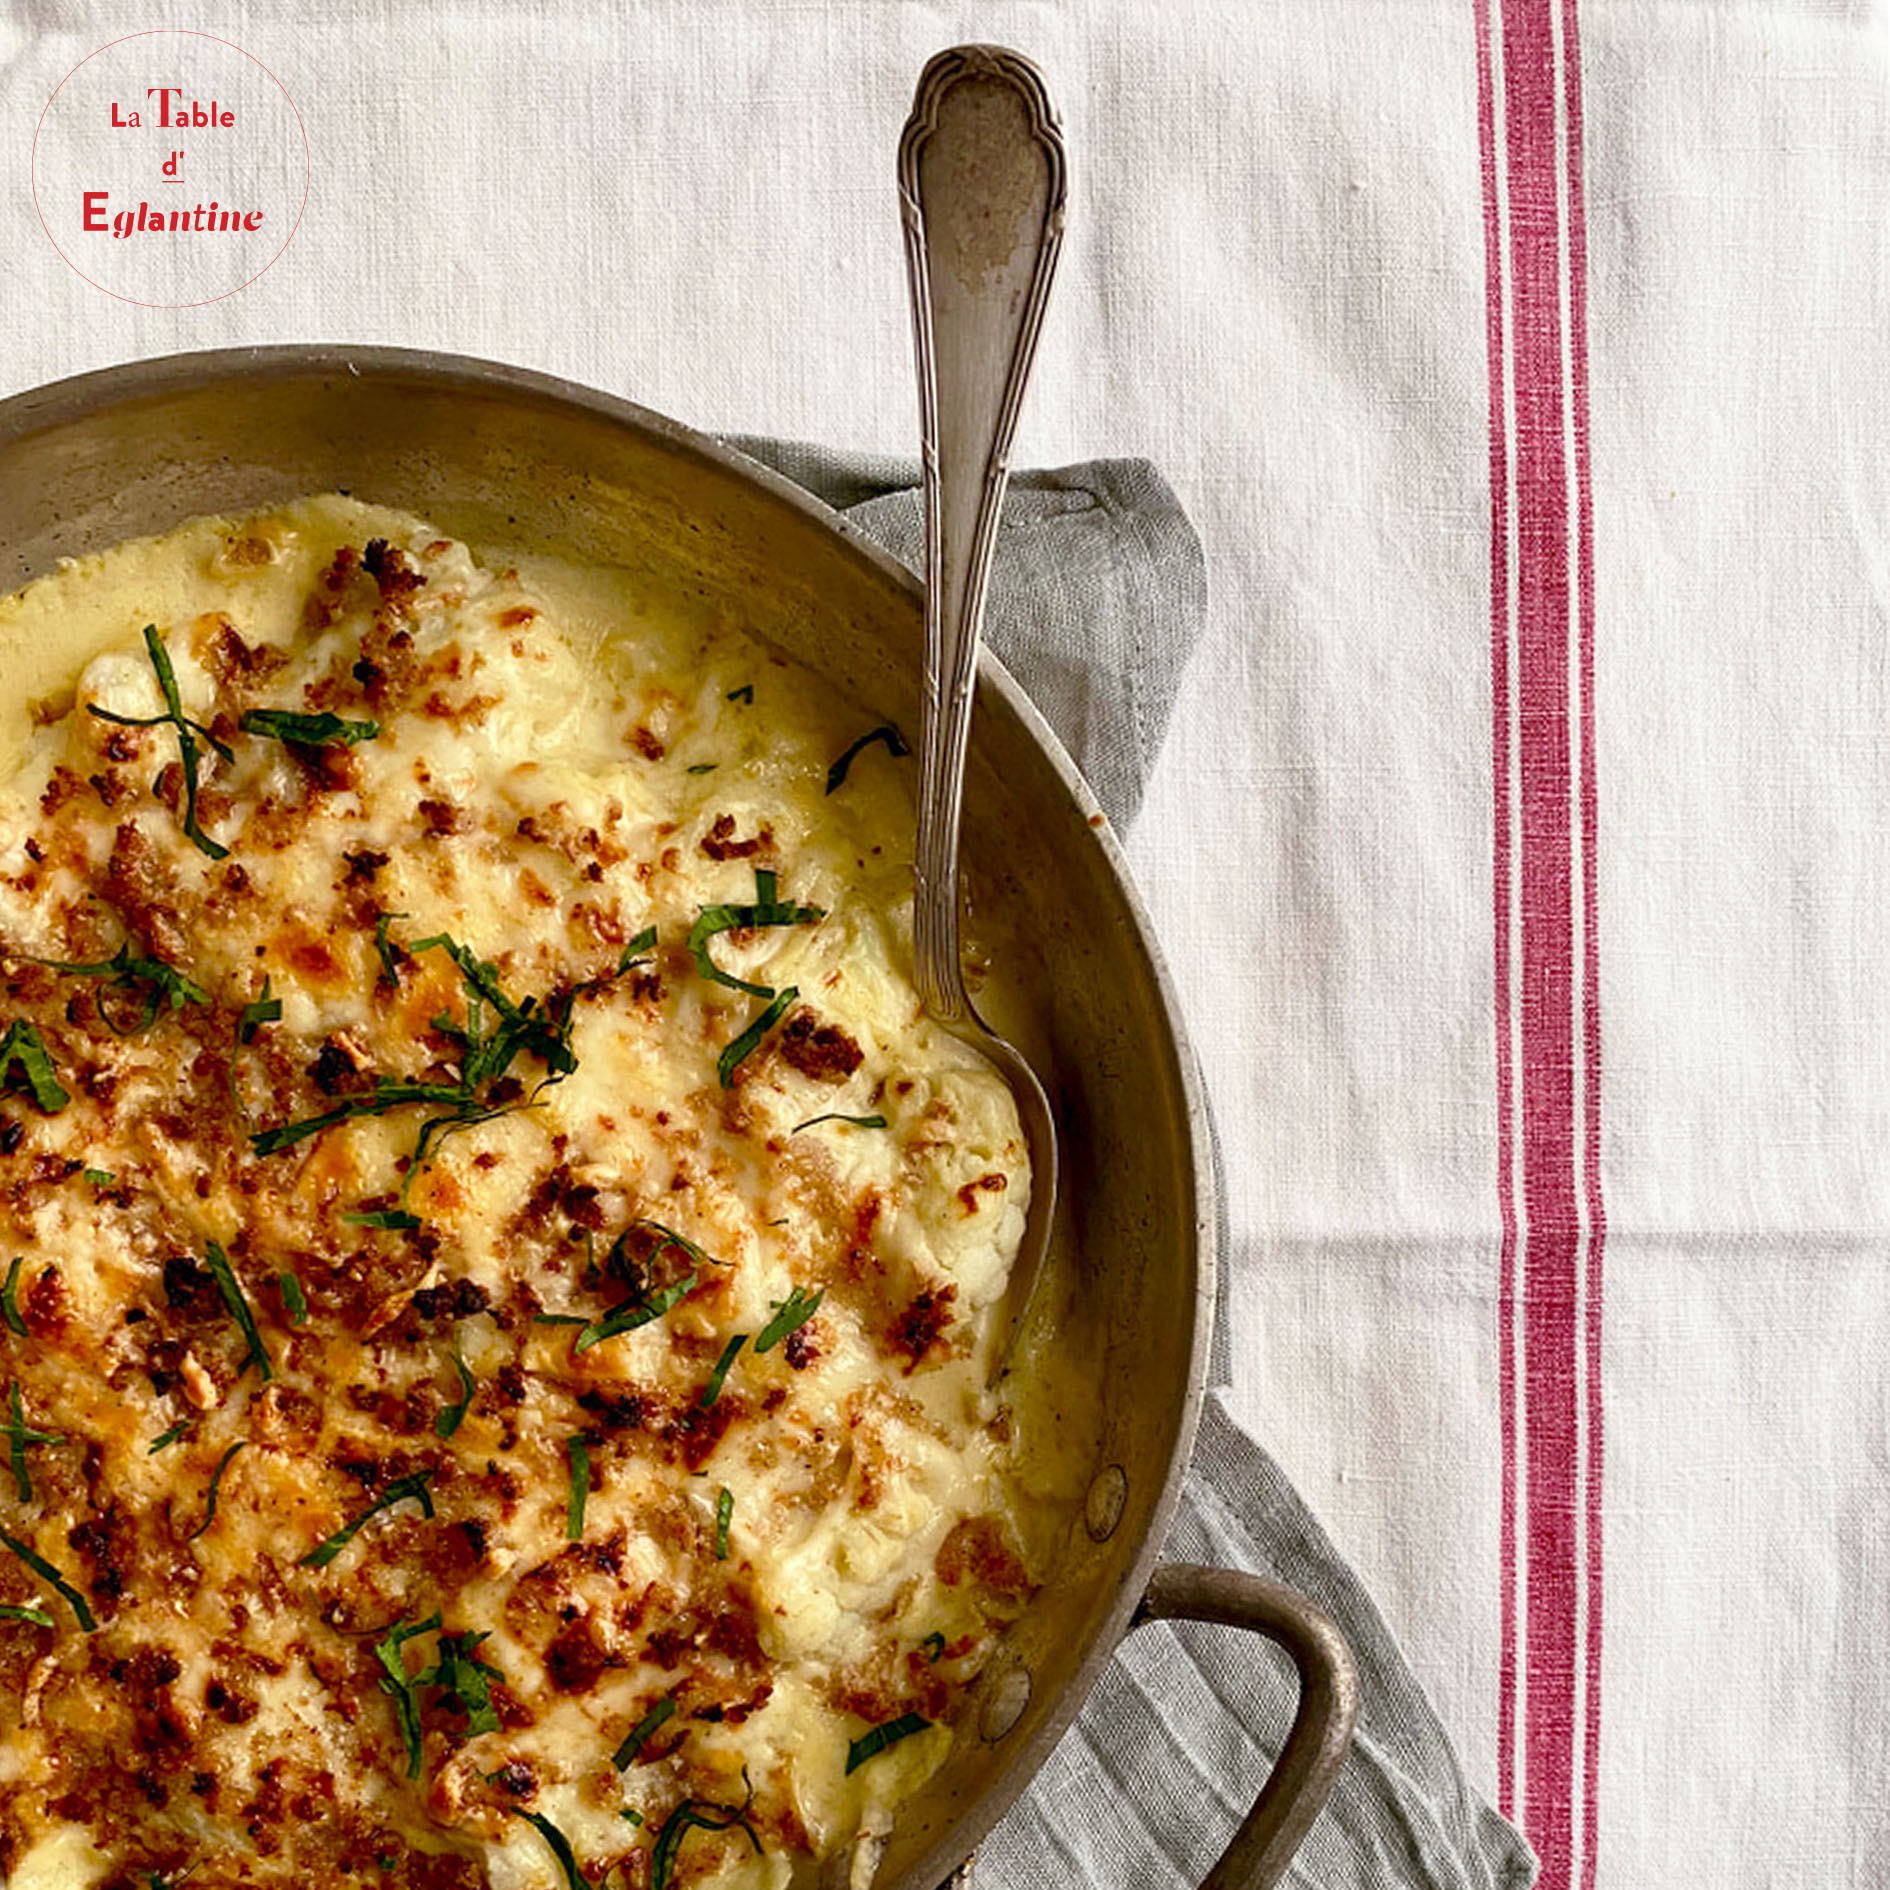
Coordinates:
column 981, row 189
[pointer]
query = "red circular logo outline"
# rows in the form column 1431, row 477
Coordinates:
column 308, row 165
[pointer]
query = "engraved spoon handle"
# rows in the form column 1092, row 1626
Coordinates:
column 981, row 189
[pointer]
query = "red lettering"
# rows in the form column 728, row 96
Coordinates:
column 252, row 219
column 164, row 93
column 97, row 197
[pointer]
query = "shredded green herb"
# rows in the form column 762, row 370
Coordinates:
column 464, row 1677
column 393, row 1220
column 265, row 1010
column 767, row 909
column 401, row 1490
column 746, row 693
column 294, row 1300
column 45, row 1570
column 187, row 733
column 387, row 1094
column 628, row 1314
column 703, row 767
column 719, row 1377
column 870, row 1745
column 640, row 1734
column 543, row 1029
column 385, row 948
column 23, row 1051
column 934, row 1646
column 635, row 953
column 167, row 1438
column 10, row 1298
column 560, row 1846
column 750, row 1039
column 306, row 731
column 21, row 1439
column 216, row 1483
column 162, row 984
column 790, row 1315
column 834, row 1115
column 580, row 1461
column 100, row 1177
column 895, row 746
column 694, row 1815
column 230, row 1288
column 454, row 1415
column 404, row 1687
column 724, row 1515
column 631, row 1815
column 670, row 1238
column 33, row 1617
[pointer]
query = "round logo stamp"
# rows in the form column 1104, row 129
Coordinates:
column 170, row 168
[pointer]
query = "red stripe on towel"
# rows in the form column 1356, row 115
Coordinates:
column 1591, row 963
column 1542, row 662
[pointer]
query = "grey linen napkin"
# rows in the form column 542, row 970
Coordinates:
column 1096, row 605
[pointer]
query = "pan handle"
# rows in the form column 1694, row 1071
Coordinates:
column 1308, row 1766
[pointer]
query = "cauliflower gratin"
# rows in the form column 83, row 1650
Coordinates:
column 498, row 1268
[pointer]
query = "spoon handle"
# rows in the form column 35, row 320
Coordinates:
column 981, row 190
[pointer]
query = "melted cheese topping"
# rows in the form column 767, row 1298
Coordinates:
column 827, row 1545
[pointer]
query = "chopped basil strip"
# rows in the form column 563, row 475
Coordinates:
column 187, row 733
column 560, row 1847
column 20, row 1439
column 394, row 1220
column 33, row 1617
column 626, row 1754
column 404, row 1687
column 724, row 1515
column 45, row 1570
column 401, row 1490
column 162, row 984
column 694, row 1815
column 559, row 1319
column 719, row 1377
column 631, row 1313
column 790, row 1315
column 934, row 1646
column 385, row 1095
column 265, row 1010
column 746, row 693
column 670, row 1239
column 766, row 910
column 895, row 746
column 702, row 767
column 168, row 1438
column 524, row 1025
column 23, row 1049
column 238, row 1308
column 871, row 1745
column 580, row 1459
column 629, row 1813
column 10, row 1300
column 450, row 1419
column 100, row 1177
column 293, row 1298
column 464, row 1677
column 834, row 1115
column 750, row 1039
column 307, row 731
column 216, row 1482
column 385, row 948
column 633, row 953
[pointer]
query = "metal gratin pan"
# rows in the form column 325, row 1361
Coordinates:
column 500, row 456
